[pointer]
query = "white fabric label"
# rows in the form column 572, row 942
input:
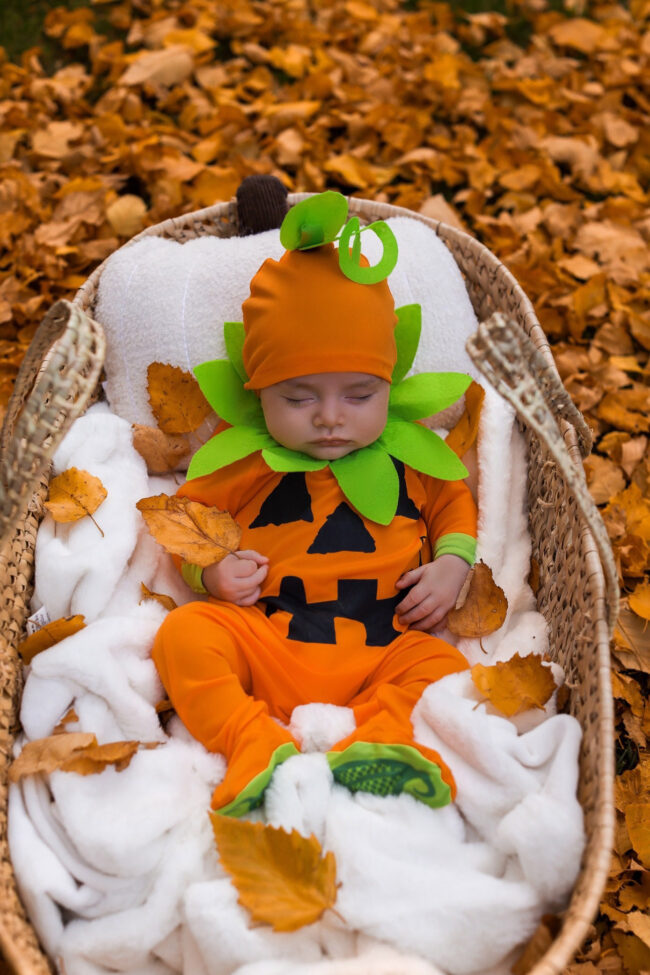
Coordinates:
column 37, row 620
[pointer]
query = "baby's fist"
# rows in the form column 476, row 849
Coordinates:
column 237, row 578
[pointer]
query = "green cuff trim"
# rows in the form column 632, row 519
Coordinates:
column 456, row 543
column 193, row 576
column 389, row 770
column 253, row 795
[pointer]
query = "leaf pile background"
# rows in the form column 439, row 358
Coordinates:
column 526, row 125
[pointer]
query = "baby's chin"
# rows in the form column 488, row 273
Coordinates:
column 327, row 451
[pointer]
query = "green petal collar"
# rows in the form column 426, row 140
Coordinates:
column 367, row 477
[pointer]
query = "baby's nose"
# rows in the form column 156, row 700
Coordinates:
column 328, row 413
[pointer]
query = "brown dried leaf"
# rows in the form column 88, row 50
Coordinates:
column 158, row 597
column 162, row 452
column 176, row 399
column 73, row 495
column 68, row 718
column 515, row 685
column 198, row 533
column 282, row 878
column 48, row 635
column 74, row 752
column 464, row 434
column 604, row 478
column 639, row 600
column 484, row 608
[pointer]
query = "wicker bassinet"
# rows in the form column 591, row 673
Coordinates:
column 578, row 590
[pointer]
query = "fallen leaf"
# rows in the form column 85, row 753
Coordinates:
column 176, row 399
column 639, row 600
column 282, row 878
column 464, row 434
column 515, row 685
column 50, row 634
column 74, row 494
column 170, row 66
column 77, row 751
column 158, row 597
column 484, row 608
column 162, row 452
column 604, row 478
column 199, row 534
column 68, row 718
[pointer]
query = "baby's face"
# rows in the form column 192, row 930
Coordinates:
column 326, row 415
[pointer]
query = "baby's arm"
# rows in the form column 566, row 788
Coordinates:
column 436, row 586
column 237, row 578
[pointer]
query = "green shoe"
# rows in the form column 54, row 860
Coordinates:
column 389, row 770
column 253, row 795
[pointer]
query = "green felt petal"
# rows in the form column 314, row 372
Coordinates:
column 224, row 391
column 234, row 335
column 427, row 393
column 422, row 449
column 369, row 480
column 349, row 262
column 314, row 221
column 407, row 337
column 226, row 448
column 282, row 459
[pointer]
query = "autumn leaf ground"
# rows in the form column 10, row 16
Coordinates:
column 526, row 125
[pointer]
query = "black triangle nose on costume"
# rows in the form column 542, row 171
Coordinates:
column 343, row 531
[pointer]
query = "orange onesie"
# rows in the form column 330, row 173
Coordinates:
column 324, row 630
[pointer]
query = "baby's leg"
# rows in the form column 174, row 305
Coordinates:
column 381, row 755
column 205, row 657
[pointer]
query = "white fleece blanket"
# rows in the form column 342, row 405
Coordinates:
column 119, row 872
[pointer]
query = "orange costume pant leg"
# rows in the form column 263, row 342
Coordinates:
column 229, row 673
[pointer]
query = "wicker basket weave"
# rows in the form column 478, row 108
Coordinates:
column 578, row 588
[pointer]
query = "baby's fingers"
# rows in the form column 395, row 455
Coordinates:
column 250, row 599
column 409, row 578
column 250, row 553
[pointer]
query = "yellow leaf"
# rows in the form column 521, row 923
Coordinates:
column 126, row 215
column 197, row 40
column 516, row 684
column 158, row 597
column 198, row 533
column 282, row 878
column 580, row 34
column 74, row 494
column 639, row 600
column 443, row 71
column 176, row 399
column 162, row 452
column 74, row 752
column 168, row 67
column 49, row 635
column 637, row 820
column 484, row 608
column 464, row 434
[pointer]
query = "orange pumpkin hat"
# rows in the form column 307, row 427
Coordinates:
column 304, row 316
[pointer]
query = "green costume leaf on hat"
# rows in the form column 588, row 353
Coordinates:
column 350, row 262
column 314, row 221
column 407, row 338
column 369, row 480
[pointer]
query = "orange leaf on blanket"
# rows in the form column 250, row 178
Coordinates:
column 68, row 718
column 74, row 752
column 48, row 635
column 176, row 399
column 282, row 878
column 464, row 434
column 75, row 494
column 484, row 608
column 162, row 452
column 515, row 685
column 198, row 533
column 158, row 597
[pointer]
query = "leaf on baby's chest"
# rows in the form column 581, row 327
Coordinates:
column 198, row 533
column 74, row 494
column 282, row 878
column 176, row 399
column 515, row 685
column 484, row 608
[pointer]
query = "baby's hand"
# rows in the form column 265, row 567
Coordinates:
column 436, row 586
column 237, row 578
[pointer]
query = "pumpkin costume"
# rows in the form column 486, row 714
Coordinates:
column 324, row 629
